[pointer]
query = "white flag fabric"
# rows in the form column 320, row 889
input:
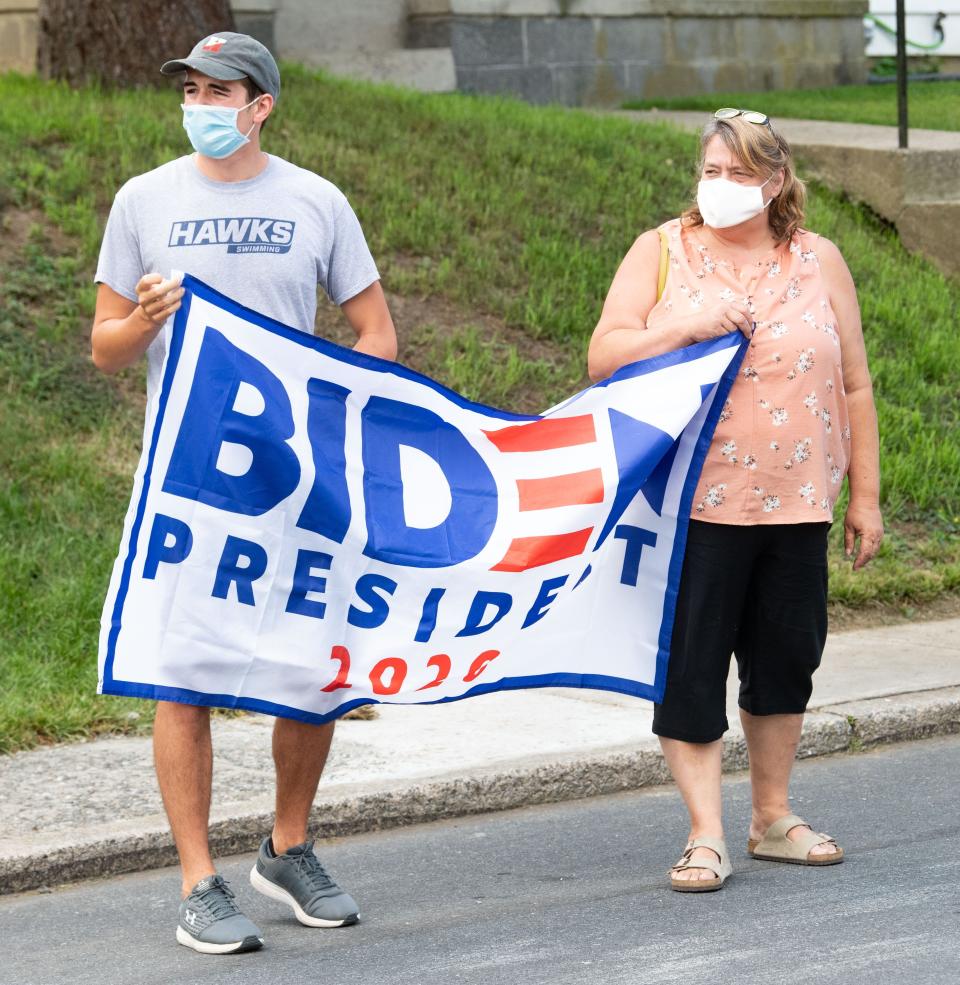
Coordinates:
column 312, row 529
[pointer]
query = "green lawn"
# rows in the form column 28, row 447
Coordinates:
column 932, row 105
column 514, row 216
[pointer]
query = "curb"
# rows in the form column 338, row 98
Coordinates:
column 134, row 846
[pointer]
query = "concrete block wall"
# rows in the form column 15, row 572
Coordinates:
column 575, row 52
column 918, row 190
column 308, row 30
column 365, row 40
column 599, row 52
column 18, row 35
column 19, row 29
column 258, row 19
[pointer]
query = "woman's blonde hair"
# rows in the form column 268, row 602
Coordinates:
column 762, row 152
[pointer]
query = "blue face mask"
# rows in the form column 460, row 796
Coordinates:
column 213, row 129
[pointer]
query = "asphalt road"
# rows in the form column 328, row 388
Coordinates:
column 568, row 894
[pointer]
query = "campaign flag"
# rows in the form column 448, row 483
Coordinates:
column 312, row 528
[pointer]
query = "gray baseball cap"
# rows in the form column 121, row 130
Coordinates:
column 229, row 56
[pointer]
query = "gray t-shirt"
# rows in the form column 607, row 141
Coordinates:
column 266, row 242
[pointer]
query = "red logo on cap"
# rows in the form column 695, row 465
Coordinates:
column 214, row 43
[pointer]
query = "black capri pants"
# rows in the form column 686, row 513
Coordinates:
column 759, row 592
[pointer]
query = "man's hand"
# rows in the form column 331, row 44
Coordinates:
column 157, row 298
column 863, row 522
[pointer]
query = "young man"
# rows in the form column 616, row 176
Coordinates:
column 266, row 233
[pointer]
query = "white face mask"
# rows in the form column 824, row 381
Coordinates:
column 725, row 203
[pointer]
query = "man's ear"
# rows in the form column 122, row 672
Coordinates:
column 263, row 108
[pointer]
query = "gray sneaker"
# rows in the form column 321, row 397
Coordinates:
column 298, row 879
column 211, row 921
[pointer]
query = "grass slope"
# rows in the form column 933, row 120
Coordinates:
column 932, row 105
column 517, row 214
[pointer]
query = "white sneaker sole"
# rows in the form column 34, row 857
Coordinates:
column 203, row 947
column 275, row 892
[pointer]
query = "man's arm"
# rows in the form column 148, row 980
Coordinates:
column 370, row 318
column 123, row 330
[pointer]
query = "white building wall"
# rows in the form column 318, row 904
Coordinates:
column 921, row 15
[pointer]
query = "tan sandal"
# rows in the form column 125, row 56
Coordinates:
column 775, row 846
column 721, row 868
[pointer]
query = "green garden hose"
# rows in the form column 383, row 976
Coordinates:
column 937, row 27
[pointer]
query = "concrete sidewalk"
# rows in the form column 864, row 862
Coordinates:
column 75, row 811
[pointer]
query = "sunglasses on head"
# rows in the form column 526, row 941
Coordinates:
column 750, row 115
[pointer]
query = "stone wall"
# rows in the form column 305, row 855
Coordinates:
column 256, row 18
column 575, row 52
column 308, row 30
column 364, row 40
column 599, row 52
column 18, row 35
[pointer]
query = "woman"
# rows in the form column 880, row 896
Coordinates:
column 799, row 416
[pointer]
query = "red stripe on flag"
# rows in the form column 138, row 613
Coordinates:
column 575, row 489
column 531, row 552
column 544, row 435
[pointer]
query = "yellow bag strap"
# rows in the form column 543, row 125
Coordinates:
column 664, row 262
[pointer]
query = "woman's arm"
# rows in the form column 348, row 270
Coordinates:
column 863, row 519
column 622, row 335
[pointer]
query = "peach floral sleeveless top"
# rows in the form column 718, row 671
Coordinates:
column 782, row 443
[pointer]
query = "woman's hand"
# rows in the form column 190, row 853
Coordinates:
column 862, row 521
column 722, row 319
